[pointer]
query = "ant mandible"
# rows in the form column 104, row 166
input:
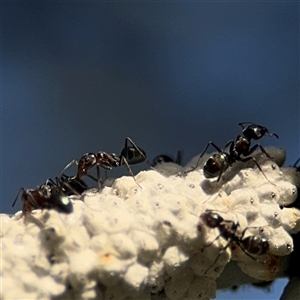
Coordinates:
column 219, row 162
column 251, row 245
column 47, row 196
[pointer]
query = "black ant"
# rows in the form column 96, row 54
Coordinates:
column 71, row 185
column 253, row 244
column 47, row 196
column 130, row 155
column 163, row 158
column 219, row 162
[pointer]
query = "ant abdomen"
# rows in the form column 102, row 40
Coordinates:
column 228, row 230
column 256, row 245
column 133, row 156
column 215, row 165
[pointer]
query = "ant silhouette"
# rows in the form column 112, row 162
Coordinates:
column 219, row 162
column 47, row 196
column 251, row 245
column 130, row 155
column 163, row 158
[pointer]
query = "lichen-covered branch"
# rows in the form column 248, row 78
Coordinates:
column 143, row 237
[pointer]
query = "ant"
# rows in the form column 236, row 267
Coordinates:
column 253, row 244
column 47, row 196
column 219, row 162
column 71, row 185
column 163, row 158
column 130, row 155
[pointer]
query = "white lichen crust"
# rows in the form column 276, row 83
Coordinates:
column 143, row 238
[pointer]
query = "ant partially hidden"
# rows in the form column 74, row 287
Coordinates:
column 163, row 158
column 251, row 245
column 130, row 155
column 219, row 162
column 296, row 165
column 47, row 196
column 71, row 185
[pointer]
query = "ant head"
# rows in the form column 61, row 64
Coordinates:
column 211, row 219
column 256, row 132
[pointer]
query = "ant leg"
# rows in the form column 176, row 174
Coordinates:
column 74, row 161
column 242, row 124
column 51, row 181
column 221, row 172
column 28, row 201
column 138, row 149
column 99, row 178
column 95, row 179
column 296, row 163
column 123, row 159
column 64, row 184
column 231, row 143
column 92, row 177
column 201, row 155
column 262, row 150
column 178, row 157
column 221, row 251
column 21, row 189
column 258, row 166
column 209, row 244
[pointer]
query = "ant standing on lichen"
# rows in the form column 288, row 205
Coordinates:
column 47, row 196
column 240, row 150
column 130, row 155
column 251, row 245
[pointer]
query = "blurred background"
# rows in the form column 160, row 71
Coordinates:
column 79, row 77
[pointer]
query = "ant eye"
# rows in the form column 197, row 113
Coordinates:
column 87, row 159
column 259, row 132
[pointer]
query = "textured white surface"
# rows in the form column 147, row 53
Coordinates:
column 148, row 242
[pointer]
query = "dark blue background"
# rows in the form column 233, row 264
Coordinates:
column 80, row 77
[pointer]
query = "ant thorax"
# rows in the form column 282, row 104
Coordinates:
column 46, row 190
column 242, row 145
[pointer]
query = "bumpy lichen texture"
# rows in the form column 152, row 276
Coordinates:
column 143, row 238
